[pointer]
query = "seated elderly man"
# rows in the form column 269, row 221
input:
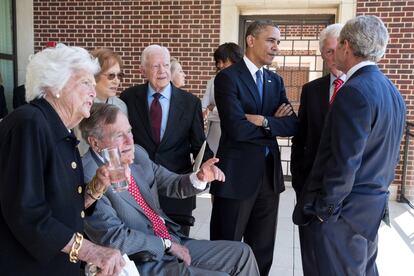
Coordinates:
column 132, row 221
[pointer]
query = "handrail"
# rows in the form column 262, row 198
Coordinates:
column 409, row 132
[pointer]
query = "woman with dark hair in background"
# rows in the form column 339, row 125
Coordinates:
column 225, row 55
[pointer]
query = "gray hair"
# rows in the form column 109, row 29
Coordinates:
column 53, row 67
column 367, row 36
column 150, row 50
column 174, row 64
column 101, row 114
column 332, row 30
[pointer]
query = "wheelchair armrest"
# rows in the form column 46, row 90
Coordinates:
column 182, row 219
column 141, row 257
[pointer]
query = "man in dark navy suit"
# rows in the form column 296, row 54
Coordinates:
column 253, row 108
column 346, row 196
column 314, row 105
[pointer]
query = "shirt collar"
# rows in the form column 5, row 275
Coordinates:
column 165, row 93
column 333, row 78
column 252, row 67
column 358, row 66
column 55, row 122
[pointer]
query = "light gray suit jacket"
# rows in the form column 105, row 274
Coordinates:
column 118, row 221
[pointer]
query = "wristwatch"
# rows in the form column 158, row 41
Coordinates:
column 265, row 124
column 167, row 245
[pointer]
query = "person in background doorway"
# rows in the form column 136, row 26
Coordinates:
column 19, row 96
column 225, row 55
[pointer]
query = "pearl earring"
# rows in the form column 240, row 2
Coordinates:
column 57, row 96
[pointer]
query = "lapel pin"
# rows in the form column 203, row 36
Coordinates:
column 269, row 81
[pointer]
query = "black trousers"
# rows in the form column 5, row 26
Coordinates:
column 253, row 219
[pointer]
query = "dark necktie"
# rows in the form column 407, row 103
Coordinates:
column 259, row 83
column 338, row 83
column 156, row 116
column 159, row 226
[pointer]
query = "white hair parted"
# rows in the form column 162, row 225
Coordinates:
column 151, row 49
column 53, row 67
column 367, row 36
column 332, row 30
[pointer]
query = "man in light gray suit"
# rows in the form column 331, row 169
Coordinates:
column 119, row 219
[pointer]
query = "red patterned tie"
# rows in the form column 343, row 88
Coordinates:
column 159, row 227
column 156, row 116
column 338, row 83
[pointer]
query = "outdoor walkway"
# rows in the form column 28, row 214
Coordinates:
column 396, row 244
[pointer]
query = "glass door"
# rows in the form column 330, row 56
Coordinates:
column 8, row 65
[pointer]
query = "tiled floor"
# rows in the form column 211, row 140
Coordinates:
column 396, row 244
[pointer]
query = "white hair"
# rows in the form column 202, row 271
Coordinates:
column 53, row 67
column 331, row 31
column 152, row 49
column 174, row 64
column 367, row 36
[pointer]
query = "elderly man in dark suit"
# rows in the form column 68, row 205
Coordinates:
column 314, row 105
column 346, row 195
column 253, row 109
column 132, row 221
column 166, row 121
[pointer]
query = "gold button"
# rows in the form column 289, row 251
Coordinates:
column 82, row 214
column 79, row 189
column 74, row 165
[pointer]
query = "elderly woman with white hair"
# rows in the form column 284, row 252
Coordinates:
column 43, row 199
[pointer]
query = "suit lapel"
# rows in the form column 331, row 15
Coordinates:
column 325, row 89
column 174, row 114
column 269, row 91
column 248, row 80
column 367, row 68
column 143, row 110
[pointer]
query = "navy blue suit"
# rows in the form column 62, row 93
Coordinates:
column 314, row 106
column 246, row 204
column 354, row 166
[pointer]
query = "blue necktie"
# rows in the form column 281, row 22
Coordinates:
column 259, row 83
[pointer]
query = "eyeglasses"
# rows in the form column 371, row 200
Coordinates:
column 112, row 76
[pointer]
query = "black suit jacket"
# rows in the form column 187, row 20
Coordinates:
column 184, row 133
column 314, row 105
column 357, row 156
column 242, row 144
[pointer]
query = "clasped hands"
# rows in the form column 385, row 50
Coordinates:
column 283, row 110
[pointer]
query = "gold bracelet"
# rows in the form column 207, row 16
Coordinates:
column 90, row 193
column 91, row 190
column 76, row 245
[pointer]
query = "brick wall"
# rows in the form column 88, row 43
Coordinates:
column 398, row 62
column 189, row 28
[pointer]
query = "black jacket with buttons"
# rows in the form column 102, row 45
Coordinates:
column 40, row 198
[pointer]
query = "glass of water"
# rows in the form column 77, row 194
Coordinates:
column 112, row 158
